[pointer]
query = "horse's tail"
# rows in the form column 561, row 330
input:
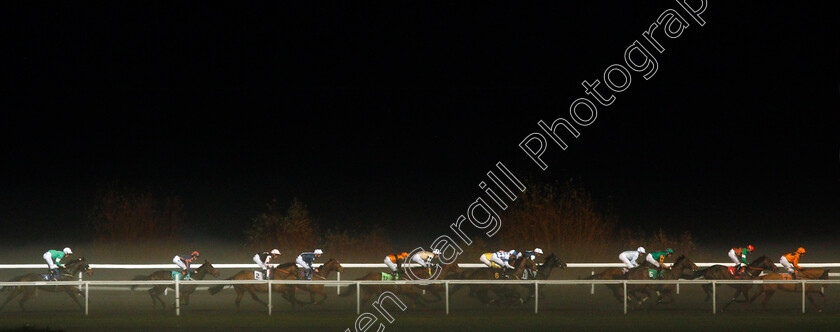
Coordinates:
column 350, row 290
column 215, row 289
column 140, row 277
column 18, row 278
column 825, row 274
column 699, row 273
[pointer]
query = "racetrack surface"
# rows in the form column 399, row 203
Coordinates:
column 563, row 308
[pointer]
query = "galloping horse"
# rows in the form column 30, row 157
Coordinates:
column 285, row 271
column 370, row 290
column 323, row 272
column 509, row 294
column 810, row 289
column 68, row 273
column 435, row 289
column 720, row 272
column 544, row 271
column 186, row 290
column 641, row 273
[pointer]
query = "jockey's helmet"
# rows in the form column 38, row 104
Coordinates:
column 669, row 251
column 195, row 253
column 436, row 252
column 641, row 249
column 800, row 250
column 538, row 251
column 67, row 251
column 318, row 252
column 750, row 248
column 512, row 252
column 275, row 252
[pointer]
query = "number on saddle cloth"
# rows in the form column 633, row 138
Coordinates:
column 177, row 274
column 654, row 274
column 258, row 275
column 733, row 270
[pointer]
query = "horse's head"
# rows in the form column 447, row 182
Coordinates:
column 333, row 264
column 683, row 263
column 78, row 265
column 763, row 263
column 553, row 261
column 206, row 267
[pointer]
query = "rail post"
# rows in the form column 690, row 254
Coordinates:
column 87, row 288
column 338, row 286
column 446, row 288
column 80, row 280
column 625, row 295
column 358, row 299
column 269, row 297
column 678, row 289
column 537, row 296
column 714, row 298
column 803, row 296
column 177, row 295
column 592, row 290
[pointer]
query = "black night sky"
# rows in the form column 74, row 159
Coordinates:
column 393, row 113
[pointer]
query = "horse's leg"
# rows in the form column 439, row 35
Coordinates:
column 71, row 293
column 708, row 289
column 153, row 295
column 810, row 293
column 733, row 299
column 768, row 294
column 239, row 293
column 12, row 295
column 27, row 293
column 254, row 296
column 320, row 291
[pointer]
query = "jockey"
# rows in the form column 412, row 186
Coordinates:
column 184, row 263
column 502, row 258
column 657, row 259
column 262, row 259
column 532, row 254
column 53, row 258
column 424, row 258
column 394, row 262
column 305, row 260
column 631, row 257
column 791, row 260
column 739, row 256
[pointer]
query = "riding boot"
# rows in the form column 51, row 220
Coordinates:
column 55, row 275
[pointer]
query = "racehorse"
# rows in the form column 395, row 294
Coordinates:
column 205, row 269
column 720, row 272
column 68, row 273
column 323, row 272
column 811, row 274
column 641, row 273
column 370, row 290
column 544, row 272
column 612, row 273
column 285, row 271
column 508, row 294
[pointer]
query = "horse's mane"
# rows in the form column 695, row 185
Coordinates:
column 75, row 261
column 284, row 265
column 763, row 257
